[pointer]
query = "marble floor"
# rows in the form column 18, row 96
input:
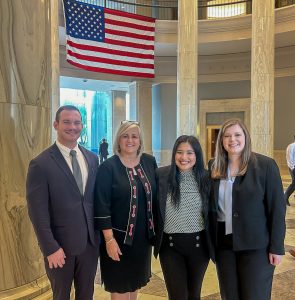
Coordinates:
column 283, row 285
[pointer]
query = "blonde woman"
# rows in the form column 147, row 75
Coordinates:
column 124, row 191
column 249, row 215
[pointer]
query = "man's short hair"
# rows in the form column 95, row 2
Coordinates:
column 66, row 107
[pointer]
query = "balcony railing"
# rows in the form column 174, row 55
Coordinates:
column 168, row 9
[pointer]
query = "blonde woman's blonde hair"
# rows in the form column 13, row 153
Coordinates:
column 220, row 163
column 123, row 128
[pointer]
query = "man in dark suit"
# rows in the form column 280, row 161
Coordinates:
column 103, row 150
column 60, row 184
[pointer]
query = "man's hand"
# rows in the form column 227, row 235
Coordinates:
column 57, row 259
column 275, row 259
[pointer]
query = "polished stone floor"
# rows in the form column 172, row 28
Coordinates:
column 283, row 285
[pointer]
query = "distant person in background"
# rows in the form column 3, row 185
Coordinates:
column 290, row 156
column 103, row 151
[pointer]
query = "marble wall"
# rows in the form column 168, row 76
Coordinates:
column 141, row 109
column 187, row 67
column 28, row 86
column 262, row 76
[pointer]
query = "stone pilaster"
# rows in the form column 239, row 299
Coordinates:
column 119, row 109
column 29, row 74
column 262, row 76
column 187, row 67
column 141, row 109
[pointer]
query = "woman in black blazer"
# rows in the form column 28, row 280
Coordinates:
column 123, row 199
column 181, row 220
column 248, row 215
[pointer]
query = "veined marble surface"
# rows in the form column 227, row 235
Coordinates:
column 23, row 137
column 28, row 45
column 262, row 76
column 187, row 67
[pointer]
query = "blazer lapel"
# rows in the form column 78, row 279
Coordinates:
column 216, row 192
column 163, row 198
column 62, row 164
column 91, row 172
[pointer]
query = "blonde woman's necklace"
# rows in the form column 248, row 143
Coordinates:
column 130, row 163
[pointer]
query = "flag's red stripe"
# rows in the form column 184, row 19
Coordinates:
column 129, row 34
column 109, row 51
column 111, row 71
column 128, row 15
column 111, row 61
column 128, row 44
column 130, row 25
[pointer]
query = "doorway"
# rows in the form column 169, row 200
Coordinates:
column 212, row 133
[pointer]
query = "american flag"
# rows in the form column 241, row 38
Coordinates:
column 109, row 41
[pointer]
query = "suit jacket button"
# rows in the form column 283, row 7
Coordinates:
column 171, row 244
column 170, row 237
column 236, row 214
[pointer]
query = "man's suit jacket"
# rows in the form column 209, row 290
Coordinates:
column 61, row 216
column 159, row 211
column 258, row 207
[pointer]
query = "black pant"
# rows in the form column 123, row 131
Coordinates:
column 102, row 158
column 184, row 258
column 242, row 275
column 81, row 269
column 291, row 187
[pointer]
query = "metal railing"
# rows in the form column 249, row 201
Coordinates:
column 168, row 9
column 218, row 9
column 159, row 9
column 282, row 3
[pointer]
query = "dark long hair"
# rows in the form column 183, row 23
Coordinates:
column 200, row 173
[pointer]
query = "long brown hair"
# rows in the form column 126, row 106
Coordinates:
column 220, row 164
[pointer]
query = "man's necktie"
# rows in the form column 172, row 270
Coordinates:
column 77, row 171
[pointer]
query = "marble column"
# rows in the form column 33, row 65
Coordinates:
column 119, row 109
column 187, row 67
column 28, row 84
column 262, row 77
column 141, row 109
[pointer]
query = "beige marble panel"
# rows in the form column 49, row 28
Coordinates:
column 262, row 77
column 26, row 134
column 119, row 109
column 29, row 80
column 24, row 49
column 188, row 87
column 54, row 65
column 141, row 96
column 187, row 115
column 163, row 157
column 187, row 67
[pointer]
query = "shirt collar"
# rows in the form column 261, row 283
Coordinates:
column 65, row 150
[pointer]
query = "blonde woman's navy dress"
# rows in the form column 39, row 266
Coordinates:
column 123, row 202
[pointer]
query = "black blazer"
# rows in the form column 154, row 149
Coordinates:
column 113, row 192
column 160, row 209
column 258, row 207
column 60, row 215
